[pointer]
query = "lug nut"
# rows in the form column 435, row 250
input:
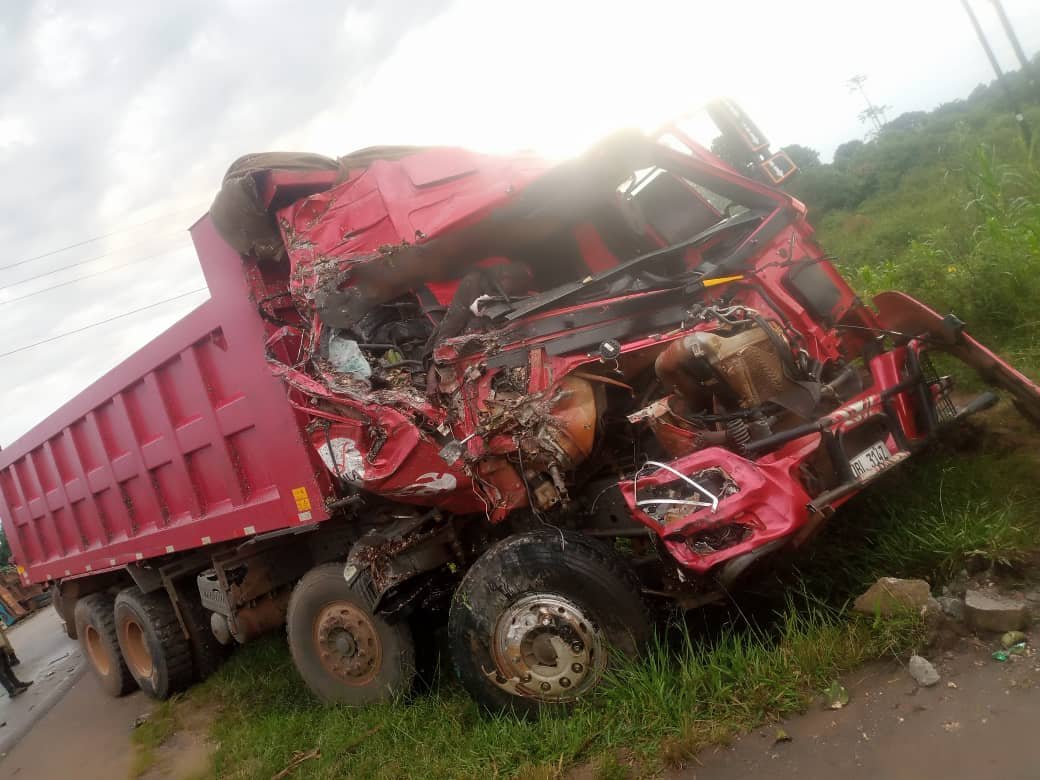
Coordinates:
column 577, row 647
column 526, row 677
column 546, row 687
column 565, row 682
column 577, row 668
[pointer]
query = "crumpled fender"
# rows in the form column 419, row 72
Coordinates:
column 389, row 456
column 769, row 501
column 899, row 312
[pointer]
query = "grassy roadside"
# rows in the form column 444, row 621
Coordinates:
column 665, row 708
column 148, row 737
column 720, row 674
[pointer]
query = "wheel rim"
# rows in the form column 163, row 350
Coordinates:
column 135, row 649
column 97, row 651
column 348, row 643
column 545, row 647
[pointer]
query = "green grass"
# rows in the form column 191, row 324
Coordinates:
column 935, row 515
column 664, row 708
column 724, row 672
column 969, row 243
column 147, row 738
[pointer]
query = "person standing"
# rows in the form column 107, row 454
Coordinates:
column 11, row 683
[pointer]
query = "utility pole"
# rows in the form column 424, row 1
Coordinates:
column 1023, row 125
column 1027, row 66
column 872, row 113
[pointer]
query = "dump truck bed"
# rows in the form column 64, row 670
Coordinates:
column 187, row 443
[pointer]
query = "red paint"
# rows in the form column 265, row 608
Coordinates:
column 190, row 437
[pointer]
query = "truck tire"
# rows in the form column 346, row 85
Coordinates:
column 156, row 651
column 538, row 618
column 207, row 654
column 94, row 618
column 345, row 653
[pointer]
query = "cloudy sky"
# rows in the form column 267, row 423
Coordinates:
column 117, row 120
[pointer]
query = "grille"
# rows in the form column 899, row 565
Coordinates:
column 213, row 597
column 945, row 411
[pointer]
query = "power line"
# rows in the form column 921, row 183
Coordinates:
column 84, row 262
column 81, row 278
column 101, row 322
column 93, row 239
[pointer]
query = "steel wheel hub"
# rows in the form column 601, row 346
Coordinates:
column 135, row 650
column 348, row 644
column 96, row 650
column 546, row 648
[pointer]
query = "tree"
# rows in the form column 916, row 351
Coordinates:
column 826, row 188
column 846, row 154
column 910, row 120
column 802, row 156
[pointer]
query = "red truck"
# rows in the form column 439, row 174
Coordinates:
column 531, row 399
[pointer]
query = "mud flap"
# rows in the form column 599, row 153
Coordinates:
column 899, row 312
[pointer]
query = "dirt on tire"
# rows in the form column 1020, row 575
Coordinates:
column 318, row 592
column 583, row 571
column 157, row 653
column 96, row 629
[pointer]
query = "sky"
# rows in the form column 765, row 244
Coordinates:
column 118, row 120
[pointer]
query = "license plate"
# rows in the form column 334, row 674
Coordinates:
column 870, row 460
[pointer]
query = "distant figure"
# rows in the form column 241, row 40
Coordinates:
column 12, row 684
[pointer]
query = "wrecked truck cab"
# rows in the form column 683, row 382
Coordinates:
column 502, row 365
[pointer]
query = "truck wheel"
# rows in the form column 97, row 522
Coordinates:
column 344, row 652
column 156, row 651
column 537, row 618
column 96, row 628
column 207, row 654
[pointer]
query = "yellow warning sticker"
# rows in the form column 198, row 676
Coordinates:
column 303, row 501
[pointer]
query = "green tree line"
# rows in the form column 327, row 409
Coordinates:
column 942, row 204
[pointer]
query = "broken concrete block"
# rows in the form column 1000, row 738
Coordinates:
column 922, row 671
column 892, row 596
column 993, row 612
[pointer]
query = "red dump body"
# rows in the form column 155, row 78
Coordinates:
column 187, row 443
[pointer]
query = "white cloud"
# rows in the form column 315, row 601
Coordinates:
column 556, row 76
column 15, row 131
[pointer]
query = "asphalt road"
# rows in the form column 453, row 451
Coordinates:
column 979, row 721
column 51, row 660
column 86, row 736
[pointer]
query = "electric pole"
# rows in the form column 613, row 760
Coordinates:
column 1027, row 66
column 1023, row 125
